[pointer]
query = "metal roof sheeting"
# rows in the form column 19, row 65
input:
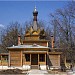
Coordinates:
column 27, row 46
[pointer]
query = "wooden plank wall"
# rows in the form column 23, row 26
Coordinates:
column 15, row 58
column 32, row 38
column 55, row 60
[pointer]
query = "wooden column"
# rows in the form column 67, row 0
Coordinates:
column 38, row 61
column 9, row 59
column 30, row 59
column 1, row 60
column 21, row 59
column 65, row 60
column 24, row 59
column 47, row 44
column 45, row 58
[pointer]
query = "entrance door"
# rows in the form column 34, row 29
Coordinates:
column 34, row 61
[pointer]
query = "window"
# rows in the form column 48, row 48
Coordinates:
column 27, row 56
column 42, row 57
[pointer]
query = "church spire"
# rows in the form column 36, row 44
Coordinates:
column 35, row 13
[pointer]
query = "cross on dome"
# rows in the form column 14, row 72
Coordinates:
column 35, row 9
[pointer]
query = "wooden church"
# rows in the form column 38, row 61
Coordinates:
column 34, row 52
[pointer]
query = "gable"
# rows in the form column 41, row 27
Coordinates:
column 35, row 33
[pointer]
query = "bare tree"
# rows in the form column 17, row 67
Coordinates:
column 10, row 35
column 63, row 21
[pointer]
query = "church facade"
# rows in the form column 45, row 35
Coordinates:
column 34, row 52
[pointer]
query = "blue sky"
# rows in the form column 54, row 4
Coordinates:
column 21, row 11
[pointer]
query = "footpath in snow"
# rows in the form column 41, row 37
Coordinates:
column 37, row 72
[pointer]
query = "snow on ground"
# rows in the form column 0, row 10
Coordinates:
column 37, row 72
